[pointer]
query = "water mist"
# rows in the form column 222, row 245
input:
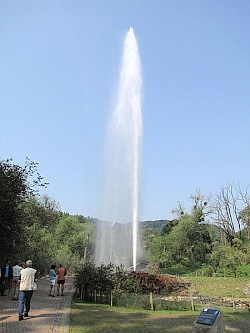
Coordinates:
column 117, row 232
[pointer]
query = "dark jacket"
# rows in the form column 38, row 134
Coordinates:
column 10, row 275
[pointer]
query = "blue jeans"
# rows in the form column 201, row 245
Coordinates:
column 24, row 301
column 15, row 286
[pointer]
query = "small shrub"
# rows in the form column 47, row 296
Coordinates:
column 243, row 271
column 173, row 305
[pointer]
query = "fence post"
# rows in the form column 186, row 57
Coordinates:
column 192, row 301
column 111, row 298
column 151, row 301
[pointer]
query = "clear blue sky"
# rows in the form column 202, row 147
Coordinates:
column 59, row 64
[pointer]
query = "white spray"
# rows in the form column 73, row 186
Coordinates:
column 119, row 244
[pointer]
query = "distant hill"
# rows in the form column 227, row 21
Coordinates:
column 157, row 224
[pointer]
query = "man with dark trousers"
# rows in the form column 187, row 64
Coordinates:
column 6, row 277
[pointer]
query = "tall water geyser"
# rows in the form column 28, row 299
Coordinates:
column 117, row 233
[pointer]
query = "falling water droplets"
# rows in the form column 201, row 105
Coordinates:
column 120, row 245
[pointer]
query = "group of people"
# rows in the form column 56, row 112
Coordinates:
column 22, row 277
column 60, row 273
column 9, row 276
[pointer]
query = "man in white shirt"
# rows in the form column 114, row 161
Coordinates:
column 27, row 285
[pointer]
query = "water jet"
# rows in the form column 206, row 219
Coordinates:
column 118, row 231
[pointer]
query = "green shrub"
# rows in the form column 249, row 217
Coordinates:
column 243, row 271
column 172, row 305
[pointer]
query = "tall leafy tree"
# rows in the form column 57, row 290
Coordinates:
column 42, row 210
column 190, row 242
column 184, row 242
column 73, row 237
column 16, row 183
column 226, row 259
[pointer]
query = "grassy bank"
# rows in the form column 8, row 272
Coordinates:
column 220, row 287
column 102, row 318
column 93, row 318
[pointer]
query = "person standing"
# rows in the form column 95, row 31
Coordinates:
column 61, row 272
column 27, row 281
column 16, row 274
column 6, row 277
column 52, row 279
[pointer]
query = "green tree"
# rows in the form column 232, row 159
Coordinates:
column 16, row 183
column 159, row 251
column 73, row 238
column 40, row 247
column 187, row 245
column 244, row 217
column 227, row 259
column 147, row 235
column 41, row 215
column 43, row 210
column 169, row 227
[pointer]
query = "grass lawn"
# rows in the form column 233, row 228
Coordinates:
column 221, row 287
column 99, row 318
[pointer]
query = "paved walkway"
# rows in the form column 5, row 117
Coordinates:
column 47, row 314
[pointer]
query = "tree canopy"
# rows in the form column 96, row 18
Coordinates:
column 16, row 184
column 213, row 238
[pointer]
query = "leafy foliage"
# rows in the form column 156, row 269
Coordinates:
column 156, row 225
column 96, row 284
column 33, row 226
column 185, row 243
column 15, row 186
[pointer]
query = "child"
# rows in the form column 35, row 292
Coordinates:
column 52, row 279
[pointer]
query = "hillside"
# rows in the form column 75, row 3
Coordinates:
column 156, row 225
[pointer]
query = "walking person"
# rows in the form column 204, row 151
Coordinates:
column 27, row 281
column 16, row 274
column 61, row 272
column 6, row 277
column 52, row 279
